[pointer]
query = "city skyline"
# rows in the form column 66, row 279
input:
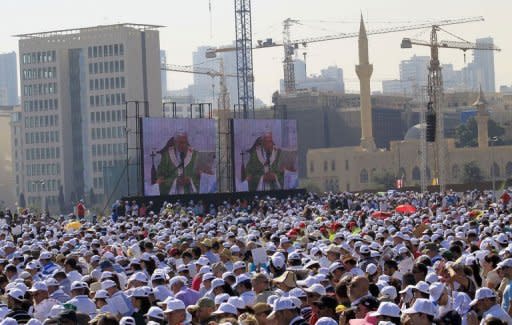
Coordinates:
column 385, row 52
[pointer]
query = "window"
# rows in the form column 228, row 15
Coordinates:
column 346, row 164
column 363, row 176
column 455, row 171
column 121, row 66
column 116, row 49
column 311, row 167
column 112, row 67
column 105, row 50
column 495, row 170
column 121, row 49
column 325, row 165
column 508, row 169
column 95, row 51
column 333, row 165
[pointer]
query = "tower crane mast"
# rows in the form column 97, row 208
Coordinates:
column 435, row 89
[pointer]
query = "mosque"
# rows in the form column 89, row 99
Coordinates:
column 357, row 168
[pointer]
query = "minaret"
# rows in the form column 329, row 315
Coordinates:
column 364, row 71
column 482, row 120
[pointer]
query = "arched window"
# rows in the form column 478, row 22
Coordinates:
column 508, row 169
column 455, row 171
column 495, row 170
column 363, row 176
column 416, row 176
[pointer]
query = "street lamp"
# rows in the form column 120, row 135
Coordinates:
column 493, row 140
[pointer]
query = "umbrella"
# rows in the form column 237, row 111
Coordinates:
column 382, row 215
column 75, row 225
column 405, row 209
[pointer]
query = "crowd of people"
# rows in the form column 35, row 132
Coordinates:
column 337, row 258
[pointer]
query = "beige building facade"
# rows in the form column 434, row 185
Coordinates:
column 74, row 86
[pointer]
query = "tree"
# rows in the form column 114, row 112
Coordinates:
column 466, row 135
column 385, row 179
column 471, row 173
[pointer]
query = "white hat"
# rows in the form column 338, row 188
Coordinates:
column 173, row 305
column 334, row 266
column 317, row 288
column 482, row 293
column 157, row 276
column 505, row 263
column 364, row 249
column 78, row 285
column 371, row 269
column 101, row 294
column 237, row 302
column 422, row 286
column 238, row 265
column 431, row 278
column 155, row 312
column 217, row 283
column 241, row 278
column 9, row 321
column 16, row 294
column 278, row 260
column 45, row 256
column 436, row 291
column 38, row 286
column 219, row 299
column 205, row 269
column 203, row 261
column 284, row 303
column 387, row 309
column 51, row 282
column 107, row 284
column 388, row 292
column 423, row 306
column 127, row 320
column 326, row 321
column 177, row 279
column 208, row 276
column 140, row 293
column 226, row 308
column 139, row 276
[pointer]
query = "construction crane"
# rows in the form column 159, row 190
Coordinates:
column 290, row 46
column 435, row 90
column 243, row 30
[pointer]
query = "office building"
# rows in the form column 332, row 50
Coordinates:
column 8, row 79
column 484, row 67
column 329, row 80
column 75, row 84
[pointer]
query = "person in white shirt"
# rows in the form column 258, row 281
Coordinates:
column 42, row 302
column 71, row 268
column 80, row 300
column 100, row 299
column 486, row 306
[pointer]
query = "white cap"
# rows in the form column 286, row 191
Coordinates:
column 284, row 303
column 9, row 321
column 387, row 309
column 78, row 285
column 155, row 312
column 107, row 284
column 45, row 256
column 173, row 305
column 422, row 286
column 388, row 292
column 326, row 321
column 436, row 290
column 127, row 320
column 208, row 276
column 334, row 266
column 505, row 263
column 237, row 302
column 101, row 294
column 423, row 306
column 317, row 288
column 16, row 294
column 482, row 293
column 38, row 286
column 226, row 308
column 298, row 292
column 217, row 283
column 241, row 278
column 51, row 282
column 238, row 265
column 371, row 269
column 219, row 299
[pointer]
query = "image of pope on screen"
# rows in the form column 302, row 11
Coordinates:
column 268, row 159
column 182, row 168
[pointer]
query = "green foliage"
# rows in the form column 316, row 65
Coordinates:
column 466, row 135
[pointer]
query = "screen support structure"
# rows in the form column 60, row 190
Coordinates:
column 135, row 110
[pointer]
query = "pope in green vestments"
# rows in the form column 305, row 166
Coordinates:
column 176, row 173
column 264, row 171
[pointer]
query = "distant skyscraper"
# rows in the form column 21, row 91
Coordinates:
column 8, row 79
column 414, row 73
column 163, row 73
column 73, row 121
column 484, row 67
column 329, row 80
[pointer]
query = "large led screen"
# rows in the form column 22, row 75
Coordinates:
column 179, row 156
column 265, row 155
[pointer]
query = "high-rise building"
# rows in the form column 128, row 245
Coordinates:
column 8, row 79
column 484, row 67
column 329, row 80
column 75, row 84
column 163, row 73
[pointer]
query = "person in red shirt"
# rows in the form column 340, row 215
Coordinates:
column 80, row 209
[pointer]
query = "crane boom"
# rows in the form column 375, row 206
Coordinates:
column 196, row 70
column 464, row 46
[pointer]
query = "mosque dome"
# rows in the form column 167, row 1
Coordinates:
column 414, row 133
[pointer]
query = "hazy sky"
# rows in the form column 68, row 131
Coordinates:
column 188, row 26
